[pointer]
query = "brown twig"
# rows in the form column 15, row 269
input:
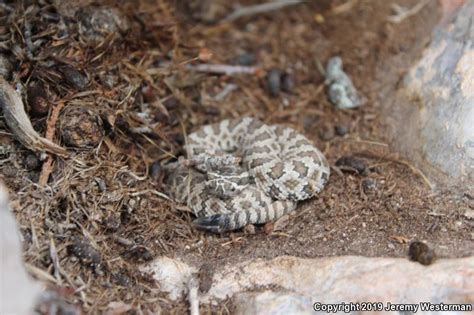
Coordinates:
column 51, row 127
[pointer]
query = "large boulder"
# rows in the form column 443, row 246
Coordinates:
column 298, row 283
column 433, row 120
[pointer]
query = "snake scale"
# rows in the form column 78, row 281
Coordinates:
column 246, row 172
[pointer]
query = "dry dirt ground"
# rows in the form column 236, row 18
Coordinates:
column 100, row 214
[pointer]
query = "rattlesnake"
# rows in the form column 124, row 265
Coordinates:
column 278, row 167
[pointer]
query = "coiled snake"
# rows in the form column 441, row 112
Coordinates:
column 242, row 171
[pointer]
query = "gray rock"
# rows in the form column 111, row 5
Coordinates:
column 18, row 292
column 341, row 90
column 269, row 302
column 325, row 280
column 351, row 278
column 433, row 120
column 96, row 23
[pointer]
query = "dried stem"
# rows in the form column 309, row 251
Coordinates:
column 259, row 9
column 222, row 69
column 48, row 164
column 20, row 124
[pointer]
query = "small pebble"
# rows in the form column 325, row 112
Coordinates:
column 278, row 81
column 287, row 83
column 31, row 162
column 74, row 77
column 97, row 23
column 274, row 81
column 155, row 170
column 341, row 90
column 421, row 253
column 368, row 184
column 245, row 59
column 342, row 130
column 350, row 163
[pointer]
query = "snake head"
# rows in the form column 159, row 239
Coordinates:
column 226, row 185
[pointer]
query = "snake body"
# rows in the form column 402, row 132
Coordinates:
column 279, row 167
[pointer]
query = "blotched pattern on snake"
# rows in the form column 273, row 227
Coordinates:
column 242, row 171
